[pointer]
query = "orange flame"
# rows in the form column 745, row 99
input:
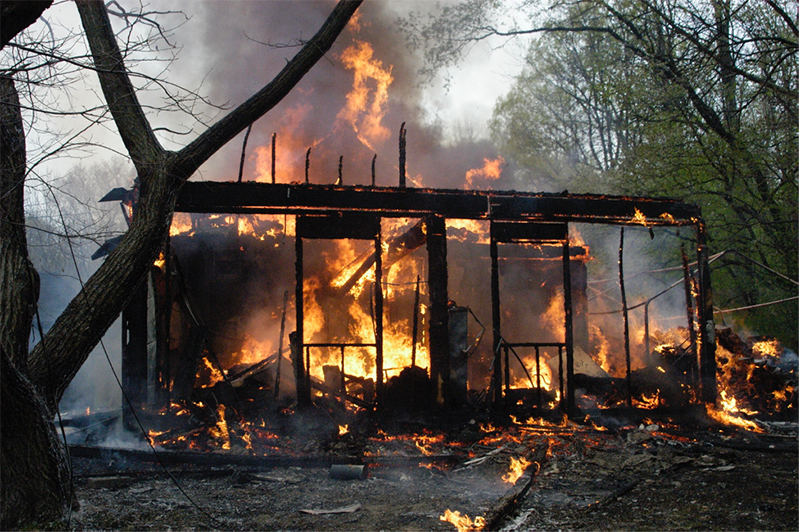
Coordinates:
column 363, row 116
column 463, row 523
column 214, row 374
column 290, row 149
column 491, row 171
column 181, row 224
column 639, row 217
column 516, row 469
column 220, row 430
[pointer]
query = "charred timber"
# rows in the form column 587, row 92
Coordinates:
column 220, row 459
column 253, row 197
column 398, row 247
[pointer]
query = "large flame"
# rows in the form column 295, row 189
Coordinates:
column 463, row 523
column 291, row 146
column 490, row 171
column 516, row 469
column 366, row 101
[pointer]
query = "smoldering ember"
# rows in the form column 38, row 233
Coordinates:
column 406, row 407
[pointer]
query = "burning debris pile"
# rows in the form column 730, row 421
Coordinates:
column 758, row 379
column 524, row 474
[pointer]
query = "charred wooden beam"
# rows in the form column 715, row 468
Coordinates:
column 708, row 343
column 398, row 247
column 529, row 232
column 688, row 288
column 625, row 329
column 568, row 333
column 244, row 151
column 438, row 325
column 253, row 197
column 274, row 135
column 134, row 351
column 580, row 304
column 308, row 162
column 340, row 225
column 378, row 319
column 402, row 142
column 497, row 338
column 222, row 458
column 509, row 502
column 186, row 370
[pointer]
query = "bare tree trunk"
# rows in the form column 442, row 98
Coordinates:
column 18, row 281
column 35, row 487
column 35, row 480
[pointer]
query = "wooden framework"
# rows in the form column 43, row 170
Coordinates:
column 335, row 211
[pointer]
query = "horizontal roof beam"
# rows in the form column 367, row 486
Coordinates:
column 253, row 197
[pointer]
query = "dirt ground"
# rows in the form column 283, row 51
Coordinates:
column 642, row 477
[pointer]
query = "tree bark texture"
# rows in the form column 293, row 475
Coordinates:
column 18, row 280
column 35, row 485
column 35, row 480
column 16, row 15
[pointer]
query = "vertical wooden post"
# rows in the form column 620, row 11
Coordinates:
column 625, row 331
column 415, row 326
column 568, row 334
column 244, row 152
column 437, row 288
column 308, row 162
column 580, row 305
column 298, row 345
column 402, row 142
column 705, row 309
column 164, row 317
column 273, row 157
column 379, row 319
column 690, row 321
column 497, row 364
column 280, row 345
column 134, row 352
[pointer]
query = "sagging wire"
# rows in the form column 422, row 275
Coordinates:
column 122, row 389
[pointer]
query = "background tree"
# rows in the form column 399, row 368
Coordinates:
column 34, row 480
column 693, row 100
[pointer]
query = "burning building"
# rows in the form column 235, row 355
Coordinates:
column 371, row 296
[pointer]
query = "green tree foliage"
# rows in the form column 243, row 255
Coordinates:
column 693, row 100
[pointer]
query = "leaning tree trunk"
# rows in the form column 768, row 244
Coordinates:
column 35, row 481
column 35, row 485
column 18, row 280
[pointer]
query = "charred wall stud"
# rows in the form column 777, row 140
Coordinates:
column 437, row 288
column 708, row 344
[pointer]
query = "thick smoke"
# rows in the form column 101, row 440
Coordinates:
column 312, row 114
